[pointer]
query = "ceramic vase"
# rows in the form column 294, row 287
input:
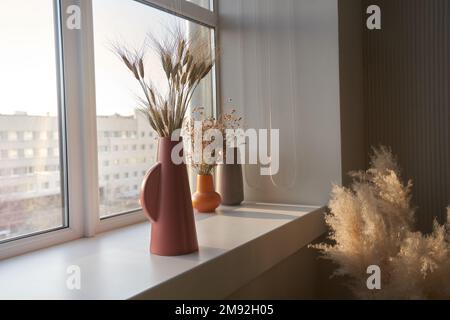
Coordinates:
column 166, row 201
column 229, row 182
column 206, row 199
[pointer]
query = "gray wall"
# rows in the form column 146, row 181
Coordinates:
column 301, row 276
column 407, row 67
column 351, row 35
column 294, row 278
column 280, row 67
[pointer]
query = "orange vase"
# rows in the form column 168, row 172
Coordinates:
column 205, row 200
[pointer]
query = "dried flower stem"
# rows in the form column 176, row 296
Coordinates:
column 185, row 63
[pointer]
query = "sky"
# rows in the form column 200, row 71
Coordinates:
column 27, row 57
column 28, row 79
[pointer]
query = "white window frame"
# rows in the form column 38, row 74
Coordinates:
column 77, row 96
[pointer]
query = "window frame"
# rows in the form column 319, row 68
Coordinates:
column 77, row 101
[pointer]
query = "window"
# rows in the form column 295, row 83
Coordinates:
column 28, row 135
column 29, row 153
column 27, row 32
column 13, row 154
column 12, row 135
column 40, row 147
column 131, row 20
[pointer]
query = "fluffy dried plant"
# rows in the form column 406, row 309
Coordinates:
column 231, row 123
column 372, row 223
column 201, row 159
column 185, row 61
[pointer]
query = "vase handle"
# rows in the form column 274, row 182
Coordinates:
column 150, row 193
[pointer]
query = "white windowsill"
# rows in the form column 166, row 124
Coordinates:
column 236, row 246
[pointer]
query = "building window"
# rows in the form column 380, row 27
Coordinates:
column 13, row 136
column 13, row 154
column 29, row 153
column 103, row 148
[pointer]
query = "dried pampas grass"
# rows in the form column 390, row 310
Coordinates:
column 372, row 223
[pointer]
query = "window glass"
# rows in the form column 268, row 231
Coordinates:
column 130, row 21
column 31, row 199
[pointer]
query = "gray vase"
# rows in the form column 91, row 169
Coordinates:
column 229, row 182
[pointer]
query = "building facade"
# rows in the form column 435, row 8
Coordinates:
column 31, row 179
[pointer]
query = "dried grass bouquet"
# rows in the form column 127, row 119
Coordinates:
column 231, row 123
column 201, row 159
column 209, row 152
column 373, row 224
column 185, row 61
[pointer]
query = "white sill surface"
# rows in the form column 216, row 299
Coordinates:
column 236, row 245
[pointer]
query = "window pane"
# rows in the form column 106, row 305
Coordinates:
column 126, row 143
column 30, row 190
column 207, row 4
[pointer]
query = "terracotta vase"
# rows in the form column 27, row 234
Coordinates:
column 166, row 201
column 205, row 200
column 229, row 181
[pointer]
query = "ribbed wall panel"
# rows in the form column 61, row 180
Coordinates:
column 407, row 84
